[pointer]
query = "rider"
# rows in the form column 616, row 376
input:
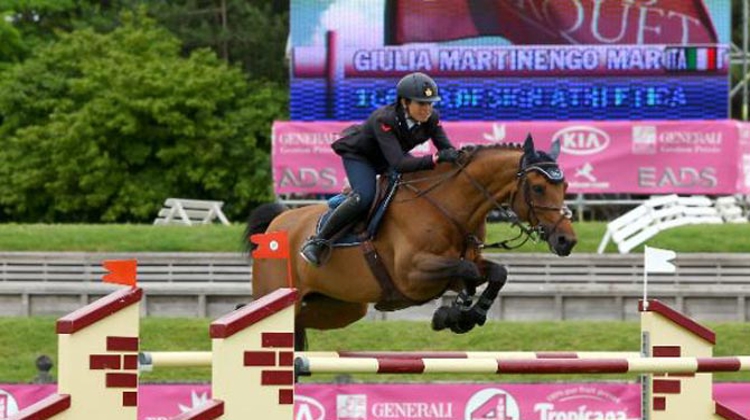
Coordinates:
column 382, row 144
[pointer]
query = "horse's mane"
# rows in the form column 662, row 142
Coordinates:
column 477, row 147
column 470, row 151
column 538, row 156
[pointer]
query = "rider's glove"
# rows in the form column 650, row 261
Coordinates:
column 446, row 155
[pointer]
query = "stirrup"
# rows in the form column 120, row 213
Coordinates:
column 316, row 251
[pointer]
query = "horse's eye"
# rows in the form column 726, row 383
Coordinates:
column 537, row 189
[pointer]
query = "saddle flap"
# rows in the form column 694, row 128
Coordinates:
column 364, row 229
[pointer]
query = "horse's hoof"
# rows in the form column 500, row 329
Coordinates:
column 477, row 316
column 462, row 327
column 440, row 318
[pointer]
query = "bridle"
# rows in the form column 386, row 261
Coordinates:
column 551, row 171
column 533, row 230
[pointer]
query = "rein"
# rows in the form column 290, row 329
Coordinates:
column 471, row 239
column 533, row 230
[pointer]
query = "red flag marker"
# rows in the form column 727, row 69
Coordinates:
column 271, row 245
column 274, row 245
column 120, row 272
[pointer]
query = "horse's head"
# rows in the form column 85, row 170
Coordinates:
column 539, row 198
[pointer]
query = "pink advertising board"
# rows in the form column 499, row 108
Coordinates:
column 554, row 401
column 636, row 157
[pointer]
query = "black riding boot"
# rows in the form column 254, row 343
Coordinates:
column 317, row 249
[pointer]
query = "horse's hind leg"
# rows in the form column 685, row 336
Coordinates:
column 300, row 337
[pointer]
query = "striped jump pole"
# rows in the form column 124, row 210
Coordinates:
column 149, row 360
column 639, row 365
column 471, row 354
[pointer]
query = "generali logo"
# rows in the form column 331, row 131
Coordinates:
column 582, row 140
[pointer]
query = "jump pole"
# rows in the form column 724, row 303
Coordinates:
column 150, row 360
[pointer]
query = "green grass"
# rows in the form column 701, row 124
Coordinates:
column 217, row 238
column 24, row 339
column 120, row 238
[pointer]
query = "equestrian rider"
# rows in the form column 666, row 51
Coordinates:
column 382, row 144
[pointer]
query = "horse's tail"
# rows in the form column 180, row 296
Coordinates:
column 259, row 220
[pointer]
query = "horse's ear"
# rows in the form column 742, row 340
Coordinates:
column 528, row 145
column 554, row 150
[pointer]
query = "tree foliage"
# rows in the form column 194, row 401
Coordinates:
column 28, row 24
column 104, row 127
column 252, row 34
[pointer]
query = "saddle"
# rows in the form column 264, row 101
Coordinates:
column 363, row 232
column 365, row 229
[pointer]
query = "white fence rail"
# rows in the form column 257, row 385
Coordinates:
column 540, row 286
column 666, row 212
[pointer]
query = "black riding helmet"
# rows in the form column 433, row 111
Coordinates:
column 418, row 87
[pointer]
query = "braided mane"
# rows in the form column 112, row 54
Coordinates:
column 477, row 147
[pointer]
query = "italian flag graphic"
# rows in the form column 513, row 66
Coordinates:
column 702, row 58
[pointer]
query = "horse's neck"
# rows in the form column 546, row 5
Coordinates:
column 493, row 172
column 469, row 195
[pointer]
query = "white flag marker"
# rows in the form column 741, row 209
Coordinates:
column 656, row 260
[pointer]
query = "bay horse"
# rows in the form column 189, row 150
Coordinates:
column 429, row 241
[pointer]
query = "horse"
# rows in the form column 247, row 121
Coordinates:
column 430, row 240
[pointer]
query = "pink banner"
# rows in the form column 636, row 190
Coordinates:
column 637, row 157
column 412, row 401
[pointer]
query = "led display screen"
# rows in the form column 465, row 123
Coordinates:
column 514, row 59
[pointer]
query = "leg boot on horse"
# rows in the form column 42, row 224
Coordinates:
column 317, row 249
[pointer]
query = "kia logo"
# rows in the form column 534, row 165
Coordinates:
column 582, row 140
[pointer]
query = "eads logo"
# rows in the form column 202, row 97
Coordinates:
column 582, row 140
column 492, row 403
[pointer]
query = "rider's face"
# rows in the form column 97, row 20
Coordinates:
column 419, row 111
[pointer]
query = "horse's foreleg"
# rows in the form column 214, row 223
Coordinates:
column 496, row 277
column 462, row 315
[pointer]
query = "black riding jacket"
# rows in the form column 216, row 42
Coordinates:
column 384, row 140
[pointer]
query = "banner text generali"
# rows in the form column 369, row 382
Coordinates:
column 636, row 157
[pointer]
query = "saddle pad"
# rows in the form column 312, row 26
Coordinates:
column 350, row 238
